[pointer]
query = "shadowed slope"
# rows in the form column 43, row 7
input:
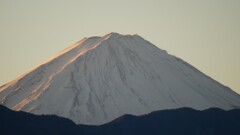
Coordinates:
column 184, row 121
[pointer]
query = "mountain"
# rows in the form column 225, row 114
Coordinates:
column 101, row 78
column 22, row 123
column 184, row 121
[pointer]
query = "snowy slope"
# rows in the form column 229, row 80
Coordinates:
column 101, row 78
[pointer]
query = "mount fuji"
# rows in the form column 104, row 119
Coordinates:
column 101, row 78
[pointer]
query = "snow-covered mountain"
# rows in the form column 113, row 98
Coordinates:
column 101, row 78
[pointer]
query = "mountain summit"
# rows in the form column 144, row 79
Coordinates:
column 101, row 78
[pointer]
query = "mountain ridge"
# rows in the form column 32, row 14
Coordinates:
column 184, row 121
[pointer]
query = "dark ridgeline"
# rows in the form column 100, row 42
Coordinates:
column 183, row 121
column 22, row 123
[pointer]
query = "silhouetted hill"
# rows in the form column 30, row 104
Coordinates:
column 183, row 121
column 22, row 123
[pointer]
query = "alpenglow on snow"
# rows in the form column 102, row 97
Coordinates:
column 101, row 78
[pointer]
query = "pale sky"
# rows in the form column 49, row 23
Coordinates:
column 204, row 33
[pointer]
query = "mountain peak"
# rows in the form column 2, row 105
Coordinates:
column 114, row 34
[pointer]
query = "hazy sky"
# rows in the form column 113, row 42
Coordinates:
column 205, row 33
